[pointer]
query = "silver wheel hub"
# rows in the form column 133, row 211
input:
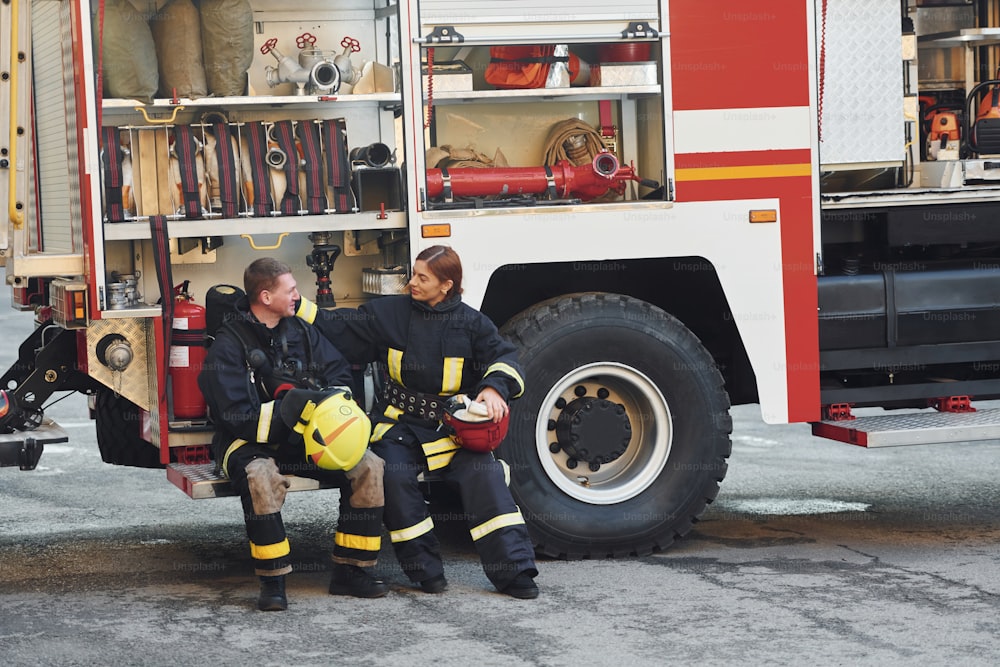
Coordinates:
column 603, row 433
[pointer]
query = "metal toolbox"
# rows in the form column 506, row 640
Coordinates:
column 623, row 74
column 449, row 75
column 384, row 281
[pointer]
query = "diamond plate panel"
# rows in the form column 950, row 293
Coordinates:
column 920, row 427
column 862, row 107
column 135, row 382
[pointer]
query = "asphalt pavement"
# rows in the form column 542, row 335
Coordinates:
column 814, row 553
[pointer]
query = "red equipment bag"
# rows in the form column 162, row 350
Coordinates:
column 524, row 66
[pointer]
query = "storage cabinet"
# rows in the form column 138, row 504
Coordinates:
column 617, row 107
column 290, row 140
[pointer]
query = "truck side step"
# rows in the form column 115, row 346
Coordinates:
column 916, row 428
column 199, row 480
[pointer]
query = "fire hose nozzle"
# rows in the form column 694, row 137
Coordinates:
column 605, row 164
column 373, row 155
column 325, row 76
column 275, row 158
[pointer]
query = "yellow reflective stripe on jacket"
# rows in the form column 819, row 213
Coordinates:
column 507, row 369
column 439, row 461
column 270, row 551
column 233, row 446
column 439, row 452
column 359, row 542
column 392, row 412
column 413, row 532
column 451, row 375
column 496, row 523
column 307, row 310
column 395, row 361
column 379, row 431
column 264, row 421
column 439, row 446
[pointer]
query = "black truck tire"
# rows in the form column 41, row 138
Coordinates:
column 621, row 437
column 118, row 432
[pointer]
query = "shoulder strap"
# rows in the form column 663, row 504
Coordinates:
column 248, row 339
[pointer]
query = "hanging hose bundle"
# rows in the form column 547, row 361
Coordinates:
column 449, row 157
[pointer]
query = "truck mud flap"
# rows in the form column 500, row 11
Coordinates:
column 24, row 448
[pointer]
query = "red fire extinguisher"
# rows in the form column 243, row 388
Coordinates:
column 187, row 354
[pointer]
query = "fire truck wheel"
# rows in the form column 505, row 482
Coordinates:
column 118, row 428
column 621, row 437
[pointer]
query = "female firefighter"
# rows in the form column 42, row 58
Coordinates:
column 436, row 347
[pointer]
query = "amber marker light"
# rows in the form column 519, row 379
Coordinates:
column 764, row 215
column 435, row 231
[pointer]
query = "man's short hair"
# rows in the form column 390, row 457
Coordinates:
column 263, row 274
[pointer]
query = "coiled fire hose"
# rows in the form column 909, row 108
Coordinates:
column 573, row 140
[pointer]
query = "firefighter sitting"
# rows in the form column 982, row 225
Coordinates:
column 277, row 394
column 436, row 348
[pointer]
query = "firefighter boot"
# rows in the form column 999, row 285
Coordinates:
column 522, row 587
column 355, row 581
column 272, row 594
column 434, row 585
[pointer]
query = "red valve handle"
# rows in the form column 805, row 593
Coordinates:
column 268, row 45
column 305, row 39
column 351, row 43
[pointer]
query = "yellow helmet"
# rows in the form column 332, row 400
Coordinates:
column 336, row 433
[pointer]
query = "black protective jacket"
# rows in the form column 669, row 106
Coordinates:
column 241, row 398
column 446, row 349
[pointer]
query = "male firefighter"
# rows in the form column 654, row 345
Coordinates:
column 277, row 394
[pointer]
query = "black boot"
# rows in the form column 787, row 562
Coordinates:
column 434, row 585
column 355, row 581
column 522, row 587
column 272, row 594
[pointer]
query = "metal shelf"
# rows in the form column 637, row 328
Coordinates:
column 584, row 94
column 139, row 229
column 963, row 37
column 160, row 106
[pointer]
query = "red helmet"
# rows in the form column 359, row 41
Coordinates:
column 475, row 432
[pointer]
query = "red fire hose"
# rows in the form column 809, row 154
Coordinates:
column 565, row 180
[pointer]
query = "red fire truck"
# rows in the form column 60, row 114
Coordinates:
column 670, row 206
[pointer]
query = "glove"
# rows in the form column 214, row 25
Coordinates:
column 281, row 390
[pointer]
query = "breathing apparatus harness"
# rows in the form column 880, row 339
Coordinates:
column 272, row 380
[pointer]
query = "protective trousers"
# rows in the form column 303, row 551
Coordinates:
column 257, row 473
column 495, row 522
